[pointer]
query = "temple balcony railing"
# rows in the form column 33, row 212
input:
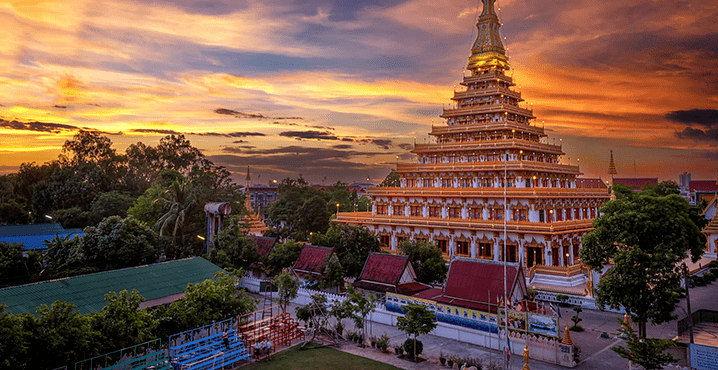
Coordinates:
column 563, row 271
column 487, row 126
column 560, row 227
column 486, row 108
column 490, row 76
column 489, row 166
column 490, row 145
column 471, row 93
column 537, row 192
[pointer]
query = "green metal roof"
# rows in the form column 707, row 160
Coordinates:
column 88, row 291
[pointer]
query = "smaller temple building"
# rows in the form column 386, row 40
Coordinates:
column 312, row 261
column 389, row 273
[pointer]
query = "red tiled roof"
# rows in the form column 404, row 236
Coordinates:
column 583, row 183
column 636, row 183
column 430, row 293
column 476, row 281
column 384, row 268
column 312, row 259
column 414, row 288
column 264, row 244
column 703, row 185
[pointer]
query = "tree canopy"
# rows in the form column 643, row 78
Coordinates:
column 642, row 238
column 352, row 245
column 428, row 262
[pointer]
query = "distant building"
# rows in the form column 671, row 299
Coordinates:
column 684, row 184
column 699, row 190
column 711, row 230
column 160, row 283
column 34, row 236
column 262, row 196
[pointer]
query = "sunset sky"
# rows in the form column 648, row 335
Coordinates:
column 338, row 89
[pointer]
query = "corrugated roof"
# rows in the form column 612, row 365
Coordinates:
column 384, row 268
column 312, row 259
column 474, row 281
column 37, row 241
column 87, row 291
column 264, row 244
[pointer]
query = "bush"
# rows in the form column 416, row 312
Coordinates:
column 708, row 277
column 409, row 347
column 713, row 264
column 576, row 328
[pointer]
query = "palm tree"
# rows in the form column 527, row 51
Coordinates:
column 178, row 199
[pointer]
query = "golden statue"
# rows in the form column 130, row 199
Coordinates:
column 526, row 358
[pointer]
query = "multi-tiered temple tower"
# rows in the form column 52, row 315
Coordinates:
column 489, row 150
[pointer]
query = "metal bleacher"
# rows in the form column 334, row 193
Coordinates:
column 204, row 348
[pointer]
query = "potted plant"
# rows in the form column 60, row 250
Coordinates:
column 382, row 342
column 399, row 350
column 442, row 359
column 373, row 342
column 450, row 360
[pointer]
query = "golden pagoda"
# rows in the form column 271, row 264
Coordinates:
column 489, row 150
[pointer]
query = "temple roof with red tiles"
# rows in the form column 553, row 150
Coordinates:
column 312, row 259
column 264, row 244
column 474, row 283
column 703, row 185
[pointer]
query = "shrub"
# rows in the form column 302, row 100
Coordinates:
column 708, row 277
column 409, row 347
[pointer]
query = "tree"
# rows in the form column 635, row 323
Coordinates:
column 314, row 216
column 62, row 334
column 428, row 262
column 112, row 203
column 287, row 288
column 119, row 242
column 122, row 323
column 647, row 352
column 63, row 255
column 416, row 320
column 177, row 201
column 14, row 345
column 392, row 180
column 206, row 302
column 235, row 248
column 362, row 307
column 642, row 238
column 282, row 256
column 15, row 268
column 352, row 245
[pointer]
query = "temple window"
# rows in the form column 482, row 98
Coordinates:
column 443, row 245
column 465, row 182
column 398, row 210
column 446, row 183
column 555, row 256
column 384, row 240
column 462, row 248
column 454, row 212
column 576, row 259
column 382, row 209
column 434, row 211
column 542, row 215
column 534, row 256
column 415, row 210
column 475, row 213
column 485, row 250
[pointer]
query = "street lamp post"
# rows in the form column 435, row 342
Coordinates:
column 337, row 209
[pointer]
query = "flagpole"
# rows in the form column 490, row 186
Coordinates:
column 506, row 311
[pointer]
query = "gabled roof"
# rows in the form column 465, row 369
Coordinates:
column 636, row 183
column 383, row 272
column 586, row 183
column 703, row 186
column 87, row 291
column 384, row 268
column 264, row 244
column 312, row 259
column 473, row 283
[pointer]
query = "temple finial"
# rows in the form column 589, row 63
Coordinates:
column 488, row 52
column 488, row 7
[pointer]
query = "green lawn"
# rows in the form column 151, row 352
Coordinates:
column 317, row 359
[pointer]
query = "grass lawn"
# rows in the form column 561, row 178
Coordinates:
column 326, row 358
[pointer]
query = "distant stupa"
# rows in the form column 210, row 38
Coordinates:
column 612, row 168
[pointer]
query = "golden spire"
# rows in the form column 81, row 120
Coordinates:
column 612, row 166
column 567, row 337
column 488, row 51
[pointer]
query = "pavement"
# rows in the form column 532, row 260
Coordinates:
column 595, row 350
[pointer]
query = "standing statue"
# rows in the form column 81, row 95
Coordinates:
column 526, row 358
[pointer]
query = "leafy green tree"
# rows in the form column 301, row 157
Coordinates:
column 333, row 276
column 121, row 322
column 63, row 255
column 177, row 153
column 352, row 245
column 14, row 346
column 177, row 201
column 362, row 306
column 642, row 238
column 313, row 215
column 428, row 262
column 287, row 288
column 235, row 248
column 119, row 242
column 283, row 256
column 416, row 320
column 12, row 212
column 62, row 334
column 283, row 213
column 111, row 203
column 647, row 352
column 15, row 268
column 392, row 180
column 211, row 300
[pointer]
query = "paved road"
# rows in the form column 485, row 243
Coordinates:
column 595, row 351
